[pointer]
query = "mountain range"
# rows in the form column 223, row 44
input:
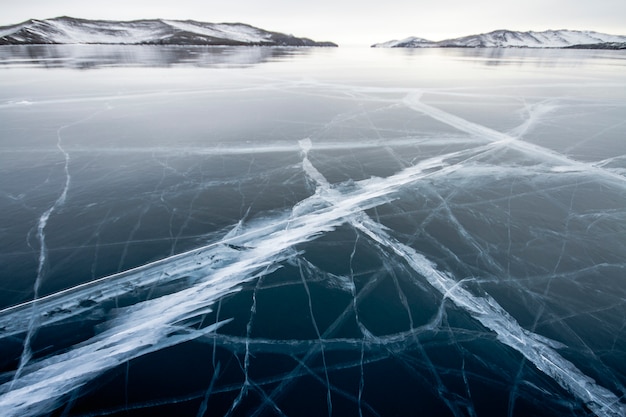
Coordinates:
column 69, row 30
column 511, row 39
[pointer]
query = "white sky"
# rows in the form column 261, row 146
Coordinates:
column 348, row 21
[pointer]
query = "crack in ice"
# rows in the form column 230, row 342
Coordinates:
column 43, row 250
column 413, row 100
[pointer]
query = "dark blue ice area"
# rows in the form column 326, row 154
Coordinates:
column 312, row 232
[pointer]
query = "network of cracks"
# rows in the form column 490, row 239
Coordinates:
column 467, row 273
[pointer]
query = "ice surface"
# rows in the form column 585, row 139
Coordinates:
column 314, row 235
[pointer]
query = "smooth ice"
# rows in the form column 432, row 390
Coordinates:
column 312, row 232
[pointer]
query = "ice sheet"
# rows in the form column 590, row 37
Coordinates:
column 288, row 240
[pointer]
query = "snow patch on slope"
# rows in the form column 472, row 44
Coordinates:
column 236, row 32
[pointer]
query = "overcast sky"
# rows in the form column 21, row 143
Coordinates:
column 348, row 21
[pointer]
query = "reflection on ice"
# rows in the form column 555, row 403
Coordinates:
column 86, row 57
column 312, row 247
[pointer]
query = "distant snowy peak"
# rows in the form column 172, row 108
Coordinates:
column 411, row 42
column 68, row 30
column 546, row 39
column 511, row 39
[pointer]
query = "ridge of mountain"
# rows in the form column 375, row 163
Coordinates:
column 70, row 30
column 511, row 39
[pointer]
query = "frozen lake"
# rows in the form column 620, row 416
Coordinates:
column 312, row 232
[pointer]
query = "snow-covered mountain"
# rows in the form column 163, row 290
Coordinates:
column 68, row 30
column 511, row 39
column 410, row 42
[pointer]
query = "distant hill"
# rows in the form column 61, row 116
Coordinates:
column 69, row 30
column 512, row 39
